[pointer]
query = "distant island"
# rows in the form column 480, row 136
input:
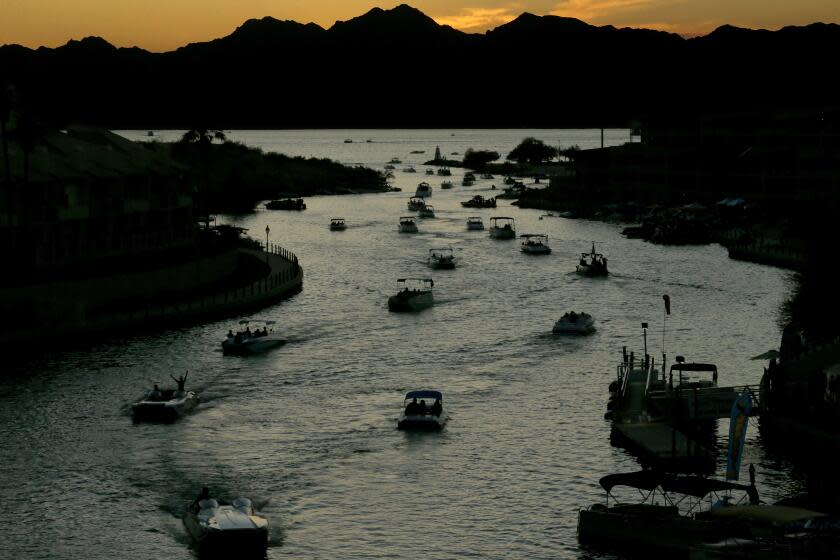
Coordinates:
column 534, row 71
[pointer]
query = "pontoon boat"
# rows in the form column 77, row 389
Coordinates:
column 414, row 294
column 502, row 227
column 428, row 211
column 416, row 203
column 444, row 172
column 424, row 190
column 534, row 244
column 337, row 224
column 441, row 258
column 408, row 225
column 475, row 223
column 446, row 185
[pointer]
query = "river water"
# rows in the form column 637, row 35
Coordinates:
column 308, row 430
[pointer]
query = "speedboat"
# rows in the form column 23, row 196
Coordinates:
column 475, row 223
column 409, row 169
column 444, row 172
column 592, row 264
column 247, row 342
column 395, row 160
column 414, row 294
column 348, row 141
column 408, row 225
column 430, row 171
column 424, row 190
column 235, row 527
column 420, row 415
column 428, row 211
column 337, row 224
column 165, row 406
column 479, row 201
column 446, row 185
column 441, row 258
column 390, row 167
column 469, row 179
column 535, row 244
column 416, row 203
column 502, row 227
column 574, row 323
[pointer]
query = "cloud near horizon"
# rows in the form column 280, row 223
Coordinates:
column 473, row 20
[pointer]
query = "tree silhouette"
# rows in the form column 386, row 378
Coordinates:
column 532, row 151
column 5, row 113
column 477, row 159
column 203, row 138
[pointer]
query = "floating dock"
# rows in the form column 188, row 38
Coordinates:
column 658, row 445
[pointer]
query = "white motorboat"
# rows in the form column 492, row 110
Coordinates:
column 592, row 264
column 446, row 185
column 428, row 211
column 337, row 224
column 235, row 527
column 424, row 190
column 475, row 223
column 246, row 342
column 408, row 225
column 416, row 203
column 164, row 405
column 502, row 228
column 414, row 294
column 420, row 415
column 441, row 258
column 574, row 323
column 534, row 244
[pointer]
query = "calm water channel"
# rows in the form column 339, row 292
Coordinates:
column 308, row 431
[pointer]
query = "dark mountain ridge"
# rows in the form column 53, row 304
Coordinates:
column 399, row 68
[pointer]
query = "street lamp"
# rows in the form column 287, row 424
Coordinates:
column 267, row 231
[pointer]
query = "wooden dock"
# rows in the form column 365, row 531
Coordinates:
column 659, row 445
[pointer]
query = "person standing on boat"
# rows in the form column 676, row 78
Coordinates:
column 412, row 408
column 437, row 408
column 181, row 381
column 155, row 394
column 204, row 495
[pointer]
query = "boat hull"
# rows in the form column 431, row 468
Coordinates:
column 164, row 411
column 501, row 233
column 240, row 540
column 586, row 326
column 421, row 423
column 541, row 250
column 250, row 346
column 416, row 302
column 408, row 229
column 592, row 271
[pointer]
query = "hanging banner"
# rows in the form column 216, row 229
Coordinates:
column 739, row 418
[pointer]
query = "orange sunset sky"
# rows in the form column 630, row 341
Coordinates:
column 160, row 25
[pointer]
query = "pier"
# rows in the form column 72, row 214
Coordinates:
column 661, row 446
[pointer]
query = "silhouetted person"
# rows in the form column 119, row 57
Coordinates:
column 423, row 409
column 437, row 408
column 204, row 495
column 155, row 394
column 181, row 381
column 412, row 408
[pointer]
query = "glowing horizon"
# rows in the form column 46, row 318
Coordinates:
column 159, row 25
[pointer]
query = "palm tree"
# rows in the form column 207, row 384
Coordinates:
column 203, row 138
column 5, row 113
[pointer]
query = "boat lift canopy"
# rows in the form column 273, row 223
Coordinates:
column 424, row 394
column 696, row 486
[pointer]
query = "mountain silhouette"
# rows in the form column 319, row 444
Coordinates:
column 400, row 68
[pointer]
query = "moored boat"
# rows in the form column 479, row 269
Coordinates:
column 414, row 294
column 430, row 171
column 502, row 227
column 286, row 204
column 408, row 225
column 441, row 258
column 444, row 172
column 422, row 416
column 534, row 244
column 574, row 323
column 446, row 185
column 236, row 528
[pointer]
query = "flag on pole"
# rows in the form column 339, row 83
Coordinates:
column 667, row 304
column 739, row 419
